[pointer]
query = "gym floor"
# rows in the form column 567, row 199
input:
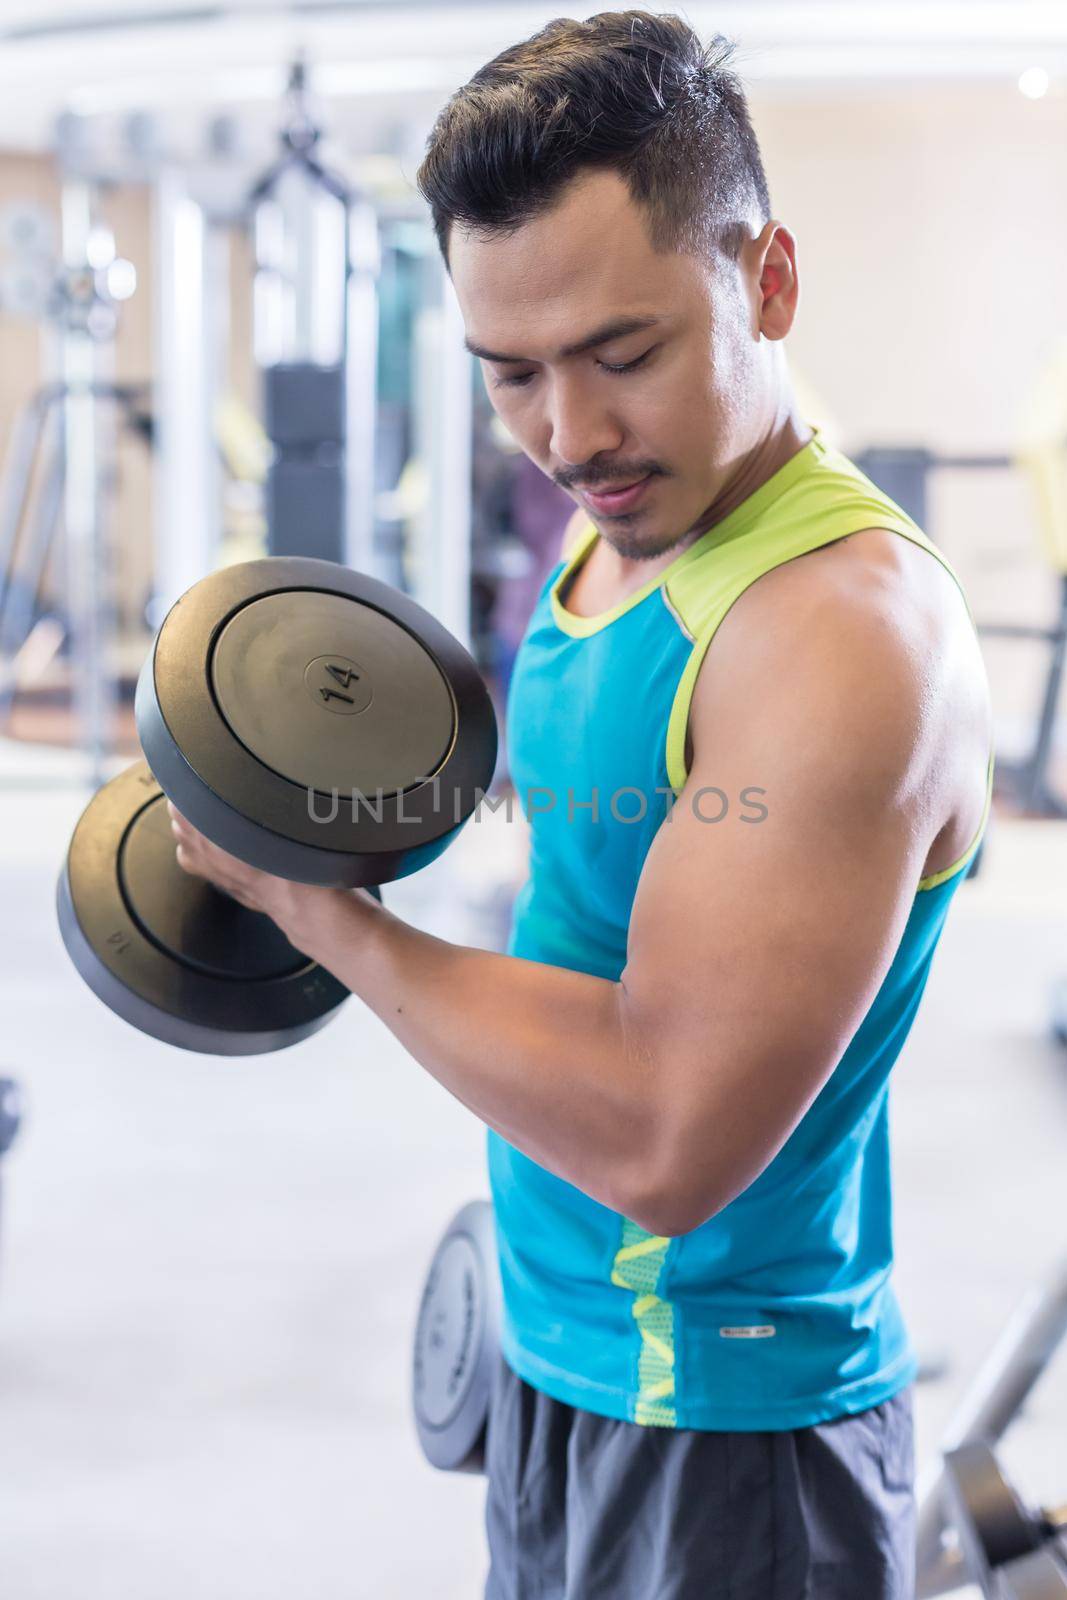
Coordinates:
column 209, row 1269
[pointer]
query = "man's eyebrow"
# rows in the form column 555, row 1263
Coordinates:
column 618, row 328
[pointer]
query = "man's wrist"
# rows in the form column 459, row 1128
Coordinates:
column 322, row 924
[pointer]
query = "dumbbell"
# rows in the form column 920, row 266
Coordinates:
column 313, row 722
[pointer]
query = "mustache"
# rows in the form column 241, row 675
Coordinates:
column 601, row 477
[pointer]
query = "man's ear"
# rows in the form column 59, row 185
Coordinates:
column 773, row 257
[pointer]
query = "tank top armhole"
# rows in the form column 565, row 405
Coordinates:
column 936, row 879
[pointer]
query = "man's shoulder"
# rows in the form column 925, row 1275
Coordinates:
column 873, row 578
column 839, row 636
column 839, row 585
column 855, row 651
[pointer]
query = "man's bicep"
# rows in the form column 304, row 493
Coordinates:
column 764, row 917
column 768, row 912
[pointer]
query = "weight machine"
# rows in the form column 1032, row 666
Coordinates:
column 316, row 341
column 1011, row 1552
column 973, row 1527
column 60, row 461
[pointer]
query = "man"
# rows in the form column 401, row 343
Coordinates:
column 683, row 1058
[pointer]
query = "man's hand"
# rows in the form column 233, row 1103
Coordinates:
column 202, row 859
column 304, row 912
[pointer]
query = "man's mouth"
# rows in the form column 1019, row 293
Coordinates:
column 616, row 499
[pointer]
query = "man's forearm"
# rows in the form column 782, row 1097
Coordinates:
column 541, row 1054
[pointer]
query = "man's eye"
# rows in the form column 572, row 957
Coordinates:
column 626, row 366
column 521, row 379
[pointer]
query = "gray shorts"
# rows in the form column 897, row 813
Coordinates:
column 583, row 1507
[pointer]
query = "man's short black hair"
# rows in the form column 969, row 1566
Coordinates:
column 627, row 91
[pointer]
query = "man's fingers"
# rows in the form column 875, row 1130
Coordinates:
column 201, row 859
column 182, row 832
column 190, row 862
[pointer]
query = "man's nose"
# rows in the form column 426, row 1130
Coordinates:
column 580, row 428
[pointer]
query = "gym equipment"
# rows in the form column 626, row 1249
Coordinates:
column 457, row 1342
column 1059, row 1011
column 30, row 513
column 315, row 722
column 68, row 430
column 1028, row 780
column 904, row 472
column 315, row 334
column 168, row 952
column 968, row 1487
column 309, row 720
column 10, row 1113
column 1011, row 1552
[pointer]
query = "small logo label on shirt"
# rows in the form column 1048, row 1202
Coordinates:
column 763, row 1330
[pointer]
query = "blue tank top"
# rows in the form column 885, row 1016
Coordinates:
column 778, row 1312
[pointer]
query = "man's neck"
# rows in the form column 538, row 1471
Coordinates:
column 780, row 445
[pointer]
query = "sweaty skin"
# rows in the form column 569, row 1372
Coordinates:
column 753, row 952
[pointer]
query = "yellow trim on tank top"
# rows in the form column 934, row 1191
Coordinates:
column 936, row 879
column 802, row 542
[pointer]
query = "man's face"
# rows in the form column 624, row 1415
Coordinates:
column 631, row 377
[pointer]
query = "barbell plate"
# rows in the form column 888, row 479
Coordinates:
column 457, row 1342
column 10, row 1113
column 372, row 712
column 169, row 953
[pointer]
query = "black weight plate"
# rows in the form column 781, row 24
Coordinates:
column 276, row 688
column 10, row 1113
column 457, row 1342
column 191, row 921
column 169, row 953
column 330, row 722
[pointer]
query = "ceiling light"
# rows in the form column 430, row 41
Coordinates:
column 1033, row 83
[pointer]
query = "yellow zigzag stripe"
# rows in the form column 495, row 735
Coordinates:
column 638, row 1267
column 664, row 1351
column 646, row 1247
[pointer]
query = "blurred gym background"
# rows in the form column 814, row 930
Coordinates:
column 225, row 331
